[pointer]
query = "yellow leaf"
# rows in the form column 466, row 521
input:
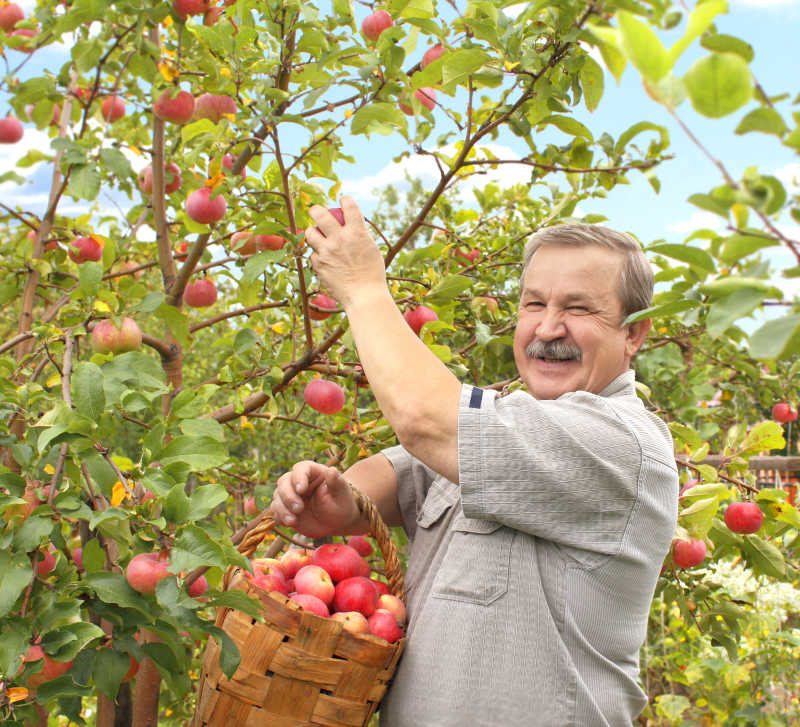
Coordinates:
column 230, row 117
column 334, row 191
column 348, row 113
column 135, row 150
column 167, row 21
column 225, row 72
column 216, row 180
column 117, row 493
column 167, row 71
column 363, row 452
column 509, row 65
column 101, row 306
column 49, row 469
column 16, row 694
column 663, row 329
column 53, row 380
column 279, row 327
column 245, row 423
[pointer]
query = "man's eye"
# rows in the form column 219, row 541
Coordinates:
column 578, row 309
column 534, row 304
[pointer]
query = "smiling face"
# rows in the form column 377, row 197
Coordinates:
column 568, row 335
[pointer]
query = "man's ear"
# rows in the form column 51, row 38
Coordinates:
column 635, row 335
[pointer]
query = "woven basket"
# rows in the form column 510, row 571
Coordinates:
column 297, row 669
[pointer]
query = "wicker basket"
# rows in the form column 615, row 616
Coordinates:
column 297, row 669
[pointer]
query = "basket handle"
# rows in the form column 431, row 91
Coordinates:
column 377, row 529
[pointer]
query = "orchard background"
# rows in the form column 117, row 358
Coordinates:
column 157, row 449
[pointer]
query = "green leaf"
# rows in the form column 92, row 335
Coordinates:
column 591, row 77
column 149, row 303
column 110, row 667
column 710, row 204
column 719, row 84
column 763, row 557
column 776, row 339
column 736, row 247
column 723, row 313
column 762, row 437
column 568, row 125
column 176, row 504
column 380, row 118
column 206, row 427
column 204, row 499
column 113, row 588
column 687, row 254
column 699, row 20
column 176, row 321
column 197, row 128
column 14, row 642
column 661, row 311
column 117, row 163
column 89, row 277
column 229, row 656
column 764, row 119
column 87, row 390
column 722, row 43
column 195, row 548
column 685, row 435
column 16, row 573
column 731, row 283
column 643, row 48
column 200, row 453
column 459, row 65
column 698, row 516
column 449, row 288
column 246, row 338
column 671, row 706
column 64, row 642
column 84, row 182
column 637, row 129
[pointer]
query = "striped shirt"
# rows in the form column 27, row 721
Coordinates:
column 529, row 585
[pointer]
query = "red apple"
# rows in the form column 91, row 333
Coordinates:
column 341, row 561
column 11, row 130
column 145, row 570
column 24, row 33
column 10, row 15
column 83, row 249
column 77, row 557
column 51, row 669
column 382, row 624
column 338, row 214
column 394, row 606
column 688, row 553
column 365, row 569
column 311, row 603
column 181, row 251
column 470, row 256
column 247, row 243
column 212, row 15
column 199, row 587
column 356, row 594
column 324, row 396
column 178, row 108
column 112, row 109
column 131, row 673
column 485, row 303
column 46, row 562
column 352, row 621
column 419, row 316
column 200, row 207
column 185, row 8
column 271, row 582
column 107, row 338
column 426, row 96
column 172, row 179
column 381, row 586
column 228, row 160
column 200, row 293
column 690, row 483
column 315, row 581
column 360, row 544
column 375, row 23
column 321, row 301
column 250, row 507
column 432, row 54
column 293, row 560
column 744, row 517
column 213, row 107
column 267, row 566
column 784, row 412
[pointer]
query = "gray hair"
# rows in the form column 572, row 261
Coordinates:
column 635, row 284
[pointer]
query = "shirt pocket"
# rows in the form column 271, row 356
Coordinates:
column 476, row 566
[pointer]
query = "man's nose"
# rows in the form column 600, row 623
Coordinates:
column 551, row 325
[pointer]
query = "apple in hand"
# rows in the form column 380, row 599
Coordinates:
column 315, row 581
column 145, row 571
column 107, row 338
column 200, row 293
column 418, row 317
column 341, row 561
column 321, row 300
column 112, row 109
column 324, row 396
column 10, row 15
column 201, row 207
column 382, row 624
column 688, row 553
column 84, row 249
column 375, row 23
column 178, row 108
column 11, row 130
column 352, row 621
column 744, row 517
column 309, row 602
column 356, row 594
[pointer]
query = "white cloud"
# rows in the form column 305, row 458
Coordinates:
column 789, row 175
column 697, row 221
column 32, row 138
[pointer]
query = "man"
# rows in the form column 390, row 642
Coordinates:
column 538, row 521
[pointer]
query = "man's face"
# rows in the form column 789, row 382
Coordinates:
column 568, row 335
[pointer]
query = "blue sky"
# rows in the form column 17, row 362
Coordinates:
column 772, row 27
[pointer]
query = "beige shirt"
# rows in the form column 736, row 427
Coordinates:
column 529, row 586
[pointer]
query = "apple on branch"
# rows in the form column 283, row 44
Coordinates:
column 84, row 249
column 205, row 209
column 744, row 518
column 11, row 130
column 108, row 338
column 10, row 15
column 172, row 179
column 145, row 571
column 426, row 96
column 324, row 302
column 214, row 107
column 375, row 23
column 184, row 8
column 200, row 293
column 419, row 316
column 175, row 106
column 688, row 553
column 324, row 396
column 112, row 109
column 51, row 668
column 432, row 54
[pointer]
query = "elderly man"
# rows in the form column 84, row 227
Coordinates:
column 538, row 521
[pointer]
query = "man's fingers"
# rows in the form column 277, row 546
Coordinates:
column 351, row 211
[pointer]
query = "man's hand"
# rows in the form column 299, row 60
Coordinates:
column 346, row 259
column 316, row 501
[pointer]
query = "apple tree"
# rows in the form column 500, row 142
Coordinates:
column 167, row 351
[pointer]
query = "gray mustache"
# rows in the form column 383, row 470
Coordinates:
column 553, row 350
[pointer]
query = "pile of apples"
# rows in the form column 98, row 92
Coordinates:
column 333, row 581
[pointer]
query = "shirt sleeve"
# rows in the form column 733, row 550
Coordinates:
column 413, row 481
column 566, row 470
